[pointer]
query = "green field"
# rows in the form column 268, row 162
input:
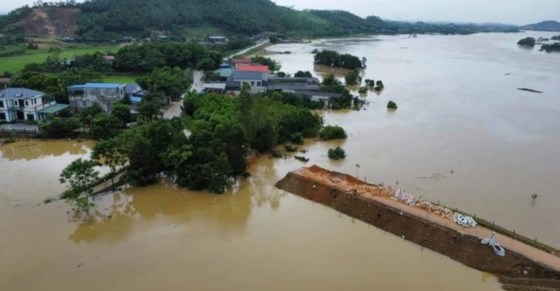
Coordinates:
column 122, row 79
column 14, row 64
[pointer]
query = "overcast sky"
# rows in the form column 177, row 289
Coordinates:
column 504, row 11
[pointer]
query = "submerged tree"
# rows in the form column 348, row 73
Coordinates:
column 81, row 175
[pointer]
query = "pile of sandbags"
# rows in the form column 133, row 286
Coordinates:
column 463, row 220
column 404, row 197
column 435, row 209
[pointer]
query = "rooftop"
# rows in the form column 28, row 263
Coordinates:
column 54, row 108
column 96, row 86
column 19, row 93
column 237, row 75
column 251, row 68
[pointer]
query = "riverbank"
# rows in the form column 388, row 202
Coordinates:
column 522, row 268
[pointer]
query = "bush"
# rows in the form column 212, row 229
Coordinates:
column 528, row 42
column 392, row 105
column 352, row 78
column 363, row 90
column 379, row 85
column 290, row 148
column 332, row 132
column 301, row 159
column 370, row 83
column 297, row 138
column 337, row 154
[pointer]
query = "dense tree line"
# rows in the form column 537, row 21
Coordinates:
column 102, row 17
column 555, row 47
column 337, row 60
column 528, row 42
column 147, row 57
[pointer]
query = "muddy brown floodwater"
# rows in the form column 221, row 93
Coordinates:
column 163, row 238
column 502, row 146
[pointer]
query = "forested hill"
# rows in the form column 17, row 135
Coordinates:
column 111, row 19
column 549, row 25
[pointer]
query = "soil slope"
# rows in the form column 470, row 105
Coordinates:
column 51, row 21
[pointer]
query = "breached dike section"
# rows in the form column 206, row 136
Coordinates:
column 523, row 267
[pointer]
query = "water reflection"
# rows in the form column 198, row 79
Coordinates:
column 36, row 149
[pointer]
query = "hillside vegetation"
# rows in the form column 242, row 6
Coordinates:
column 240, row 17
column 109, row 19
column 549, row 25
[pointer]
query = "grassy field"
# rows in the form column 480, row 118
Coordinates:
column 13, row 64
column 122, row 79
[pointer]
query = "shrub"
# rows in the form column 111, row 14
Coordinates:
column 337, row 154
column 301, row 159
column 379, row 85
column 528, row 42
column 290, row 148
column 297, row 138
column 332, row 132
column 370, row 83
column 352, row 78
column 392, row 105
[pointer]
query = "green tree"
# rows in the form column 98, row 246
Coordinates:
column 105, row 126
column 172, row 82
column 337, row 154
column 392, row 105
column 150, row 107
column 81, row 175
column 352, row 78
column 332, row 132
column 144, row 162
column 122, row 113
column 56, row 127
column 110, row 153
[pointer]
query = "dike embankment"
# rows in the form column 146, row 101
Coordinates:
column 524, row 267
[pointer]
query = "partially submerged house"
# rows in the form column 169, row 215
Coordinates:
column 104, row 94
column 293, row 84
column 22, row 104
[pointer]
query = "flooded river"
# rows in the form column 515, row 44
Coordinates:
column 463, row 134
column 501, row 144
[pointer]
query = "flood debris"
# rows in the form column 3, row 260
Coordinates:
column 530, row 90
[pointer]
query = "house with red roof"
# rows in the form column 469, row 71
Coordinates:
column 252, row 68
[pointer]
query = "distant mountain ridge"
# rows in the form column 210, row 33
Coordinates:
column 548, row 25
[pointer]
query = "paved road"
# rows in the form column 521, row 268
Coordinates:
column 175, row 109
column 244, row 51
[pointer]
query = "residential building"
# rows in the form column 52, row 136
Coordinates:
column 252, row 68
column 104, row 94
column 218, row 39
column 293, row 84
column 257, row 80
column 21, row 104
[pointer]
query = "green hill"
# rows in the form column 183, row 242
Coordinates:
column 549, row 25
column 238, row 17
column 111, row 19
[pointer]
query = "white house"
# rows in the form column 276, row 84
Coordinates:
column 257, row 80
column 19, row 104
column 104, row 94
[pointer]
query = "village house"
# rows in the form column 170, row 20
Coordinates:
column 104, row 94
column 257, row 80
column 218, row 39
column 21, row 104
